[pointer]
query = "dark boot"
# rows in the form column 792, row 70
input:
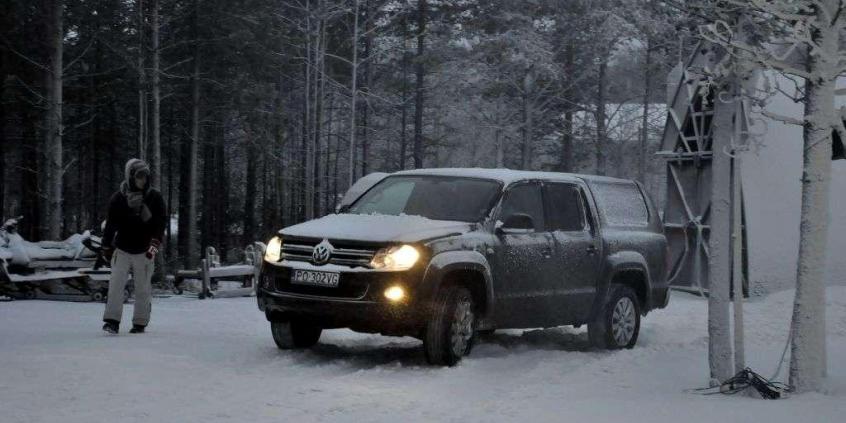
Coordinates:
column 137, row 329
column 111, row 326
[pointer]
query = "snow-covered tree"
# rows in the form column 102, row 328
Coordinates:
column 802, row 39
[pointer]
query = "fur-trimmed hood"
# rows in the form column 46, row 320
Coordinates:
column 132, row 167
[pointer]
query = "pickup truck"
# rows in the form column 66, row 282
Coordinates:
column 446, row 254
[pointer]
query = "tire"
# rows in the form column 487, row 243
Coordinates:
column 618, row 323
column 294, row 335
column 449, row 332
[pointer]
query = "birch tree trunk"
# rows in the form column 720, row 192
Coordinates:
column 156, row 146
column 499, row 143
column 601, row 131
column 566, row 164
column 528, row 122
column 404, row 105
column 353, row 95
column 808, row 345
column 308, row 125
column 368, row 83
column 3, row 72
column 142, row 82
column 330, row 131
column 250, row 189
column 500, row 156
column 318, row 121
column 53, row 130
column 719, row 264
column 420, row 90
column 647, row 93
column 193, row 143
column 170, row 178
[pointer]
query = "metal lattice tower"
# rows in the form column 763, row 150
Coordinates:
column 687, row 150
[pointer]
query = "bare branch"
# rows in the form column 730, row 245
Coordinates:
column 23, row 56
column 81, row 55
column 784, row 119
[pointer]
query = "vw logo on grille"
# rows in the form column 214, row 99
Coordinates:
column 322, row 252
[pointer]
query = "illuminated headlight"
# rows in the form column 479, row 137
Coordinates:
column 400, row 257
column 273, row 252
column 395, row 293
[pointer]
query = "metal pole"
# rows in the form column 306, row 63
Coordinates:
column 737, row 243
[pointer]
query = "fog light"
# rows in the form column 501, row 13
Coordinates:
column 395, row 293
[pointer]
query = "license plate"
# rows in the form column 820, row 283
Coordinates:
column 310, row 277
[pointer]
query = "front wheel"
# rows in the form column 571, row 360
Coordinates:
column 449, row 332
column 294, row 334
column 618, row 323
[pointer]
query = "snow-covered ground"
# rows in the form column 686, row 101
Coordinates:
column 211, row 361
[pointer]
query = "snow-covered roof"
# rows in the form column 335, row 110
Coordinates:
column 507, row 176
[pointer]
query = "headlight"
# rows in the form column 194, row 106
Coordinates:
column 273, row 252
column 401, row 257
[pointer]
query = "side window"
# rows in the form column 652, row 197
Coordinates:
column 566, row 210
column 525, row 198
column 622, row 204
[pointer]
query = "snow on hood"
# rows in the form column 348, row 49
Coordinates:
column 375, row 228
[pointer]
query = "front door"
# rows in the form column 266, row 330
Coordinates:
column 523, row 260
column 576, row 254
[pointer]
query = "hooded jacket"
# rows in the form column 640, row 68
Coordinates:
column 135, row 216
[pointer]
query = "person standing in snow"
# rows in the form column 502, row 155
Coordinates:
column 135, row 226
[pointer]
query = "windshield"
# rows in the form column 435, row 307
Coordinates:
column 433, row 197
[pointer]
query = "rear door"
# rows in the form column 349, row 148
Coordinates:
column 575, row 259
column 523, row 264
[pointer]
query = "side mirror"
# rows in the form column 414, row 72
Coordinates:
column 342, row 208
column 517, row 223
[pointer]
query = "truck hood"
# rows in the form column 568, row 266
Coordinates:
column 375, row 228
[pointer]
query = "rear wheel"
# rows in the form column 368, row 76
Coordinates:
column 294, row 334
column 449, row 332
column 618, row 323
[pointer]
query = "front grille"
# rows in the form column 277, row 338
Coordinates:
column 344, row 255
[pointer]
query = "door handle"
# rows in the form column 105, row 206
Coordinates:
column 591, row 250
column 547, row 253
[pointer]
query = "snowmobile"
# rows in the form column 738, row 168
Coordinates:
column 72, row 269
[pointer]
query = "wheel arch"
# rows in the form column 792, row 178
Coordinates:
column 628, row 268
column 468, row 268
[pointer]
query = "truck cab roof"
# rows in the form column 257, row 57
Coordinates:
column 508, row 176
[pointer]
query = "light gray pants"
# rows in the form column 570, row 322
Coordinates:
column 142, row 272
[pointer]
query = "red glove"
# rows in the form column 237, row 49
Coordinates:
column 154, row 248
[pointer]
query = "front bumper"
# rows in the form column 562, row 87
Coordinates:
column 357, row 303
